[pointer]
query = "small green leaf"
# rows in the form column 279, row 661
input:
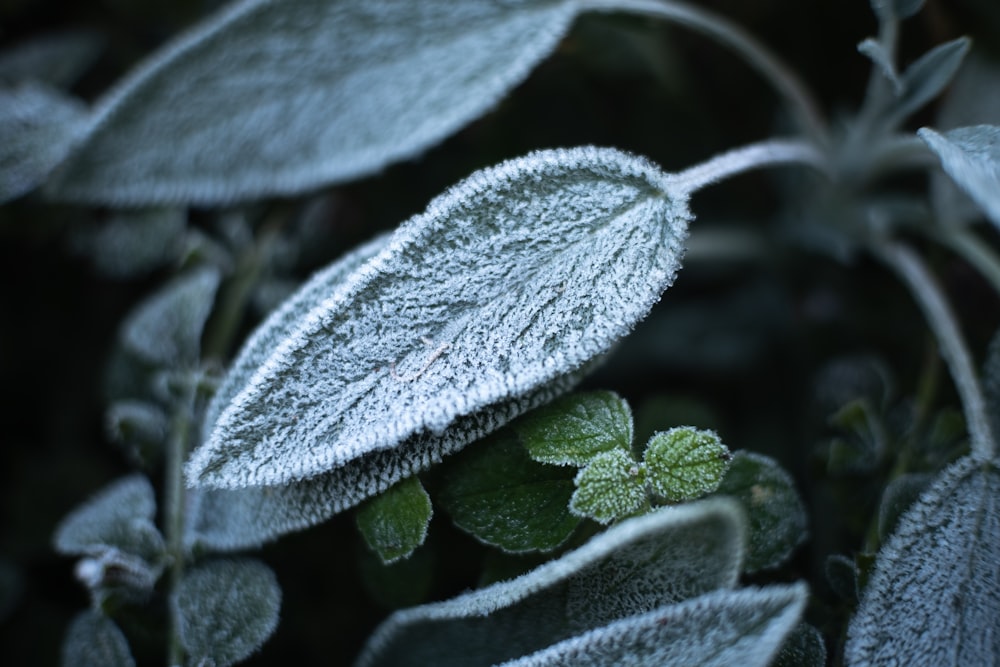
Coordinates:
column 686, row 463
column 777, row 515
column 495, row 492
column 572, row 430
column 612, row 487
column 395, row 522
column 93, row 640
column 226, row 609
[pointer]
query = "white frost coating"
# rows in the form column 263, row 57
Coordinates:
column 636, row 566
column 513, row 280
column 121, row 514
column 934, row 595
column 971, row 156
column 271, row 98
column 720, row 629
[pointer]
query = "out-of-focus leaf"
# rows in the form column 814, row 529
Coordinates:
column 56, row 59
column 394, row 523
column 971, row 156
column 925, row 78
column 842, row 575
column 684, row 463
column 140, row 426
column 803, row 647
column 132, row 243
column 896, row 9
column 897, row 497
column 573, row 429
column 93, row 640
column 612, row 487
column 877, row 54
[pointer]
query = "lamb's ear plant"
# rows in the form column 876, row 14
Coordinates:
column 429, row 375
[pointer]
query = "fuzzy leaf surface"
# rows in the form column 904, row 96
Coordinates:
column 613, row 486
column 495, row 492
column 573, row 429
column 226, row 609
column 394, row 523
column 719, row 629
column 928, row 75
column 634, row 567
column 132, row 243
column 401, row 362
column 932, row 596
column 268, row 98
column 38, row 127
column 776, row 513
column 685, row 463
column 971, row 156
column 93, row 640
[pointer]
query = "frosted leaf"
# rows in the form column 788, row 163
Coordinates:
column 119, row 516
column 58, row 58
column 803, row 647
column 926, row 77
column 971, row 156
column 573, row 429
column 932, row 597
column 166, row 328
column 268, row 98
column 38, row 127
column 93, row 640
column 394, row 523
column 635, row 566
column 135, row 242
column 226, row 609
column 613, row 486
column 685, row 463
column 719, row 629
column 581, row 244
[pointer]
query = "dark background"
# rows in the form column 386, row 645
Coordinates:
column 740, row 341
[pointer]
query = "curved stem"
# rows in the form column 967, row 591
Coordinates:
column 721, row 29
column 929, row 296
column 972, row 249
column 174, row 504
column 762, row 154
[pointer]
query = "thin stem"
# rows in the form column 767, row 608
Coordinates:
column 729, row 34
column 972, row 249
column 174, row 500
column 762, row 154
column 929, row 296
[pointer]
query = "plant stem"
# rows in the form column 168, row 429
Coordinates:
column 762, row 154
column 972, row 249
column 729, row 34
column 174, row 503
column 929, row 296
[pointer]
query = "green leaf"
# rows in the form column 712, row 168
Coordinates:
column 685, row 463
column 280, row 98
column 932, row 596
column 897, row 497
column 574, row 429
column 496, row 493
column 395, row 522
column 778, row 521
column 427, row 347
column 612, row 487
column 402, row 584
column 842, row 575
column 971, row 156
column 720, row 629
column 226, row 609
column 636, row 566
column 93, row 640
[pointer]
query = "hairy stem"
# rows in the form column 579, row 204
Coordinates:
column 759, row 57
column 174, row 502
column 929, row 296
column 755, row 156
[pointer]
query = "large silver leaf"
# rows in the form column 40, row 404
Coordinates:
column 634, row 567
column 270, row 98
column 511, row 281
column 934, row 596
column 971, row 156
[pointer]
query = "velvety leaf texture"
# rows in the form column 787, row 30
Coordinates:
column 634, row 567
column 426, row 347
column 226, row 610
column 268, row 98
column 93, row 640
column 394, row 523
column 575, row 428
column 720, row 629
column 971, row 156
column 932, row 598
column 38, row 126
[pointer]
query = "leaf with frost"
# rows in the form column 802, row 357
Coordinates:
column 720, row 629
column 268, row 98
column 611, row 487
column 573, row 429
column 971, row 156
column 132, row 243
column 932, row 597
column 684, row 463
column 57, row 58
column 120, row 516
column 926, row 77
column 803, row 647
column 93, row 640
column 226, row 610
column 140, row 426
column 394, row 523
column 38, row 127
column 166, row 328
column 426, row 346
column 636, row 566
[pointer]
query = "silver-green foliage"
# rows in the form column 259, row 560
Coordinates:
column 93, row 640
column 971, row 156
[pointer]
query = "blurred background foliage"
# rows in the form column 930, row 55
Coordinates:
column 742, row 343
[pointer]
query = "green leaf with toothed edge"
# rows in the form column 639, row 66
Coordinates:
column 611, row 487
column 394, row 523
column 685, row 463
column 396, row 368
column 573, row 429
